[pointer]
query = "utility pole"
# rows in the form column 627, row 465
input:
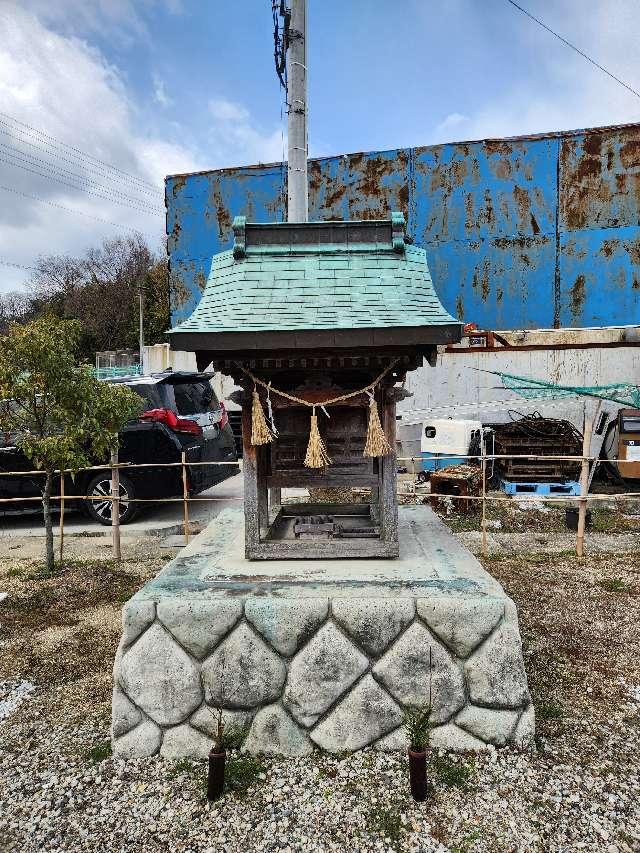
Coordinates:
column 298, row 195
column 141, row 326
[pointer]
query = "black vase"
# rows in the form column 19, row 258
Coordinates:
column 215, row 776
column 418, row 775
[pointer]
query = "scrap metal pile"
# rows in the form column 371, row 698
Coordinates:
column 533, row 436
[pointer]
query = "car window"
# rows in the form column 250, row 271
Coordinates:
column 149, row 394
column 194, row 397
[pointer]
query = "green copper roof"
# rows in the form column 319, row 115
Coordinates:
column 324, row 275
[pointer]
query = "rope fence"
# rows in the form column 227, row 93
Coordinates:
column 115, row 467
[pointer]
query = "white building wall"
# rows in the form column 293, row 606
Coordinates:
column 460, row 386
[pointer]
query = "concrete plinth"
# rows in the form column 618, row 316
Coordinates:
column 320, row 653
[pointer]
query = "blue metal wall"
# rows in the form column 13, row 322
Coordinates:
column 527, row 232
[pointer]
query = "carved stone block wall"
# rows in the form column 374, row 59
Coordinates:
column 329, row 672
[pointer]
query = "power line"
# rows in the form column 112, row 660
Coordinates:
column 79, row 162
column 147, row 212
column 78, row 150
column 71, row 210
column 573, row 47
column 55, row 169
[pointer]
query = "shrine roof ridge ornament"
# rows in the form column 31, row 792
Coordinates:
column 365, row 235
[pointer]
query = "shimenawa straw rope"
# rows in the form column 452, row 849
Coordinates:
column 317, row 456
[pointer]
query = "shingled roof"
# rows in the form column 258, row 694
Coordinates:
column 318, row 276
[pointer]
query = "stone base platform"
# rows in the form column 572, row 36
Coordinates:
column 320, row 653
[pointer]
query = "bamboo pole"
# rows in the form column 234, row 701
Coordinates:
column 115, row 506
column 185, row 498
column 484, row 492
column 61, row 516
column 584, row 486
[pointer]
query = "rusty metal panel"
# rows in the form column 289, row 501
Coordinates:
column 600, row 179
column 600, row 275
column 520, row 233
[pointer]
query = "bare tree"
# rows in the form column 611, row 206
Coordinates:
column 100, row 290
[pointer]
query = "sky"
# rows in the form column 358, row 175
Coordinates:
column 100, row 99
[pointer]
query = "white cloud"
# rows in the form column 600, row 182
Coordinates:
column 566, row 91
column 233, row 130
column 123, row 20
column 450, row 125
column 160, row 92
column 59, row 84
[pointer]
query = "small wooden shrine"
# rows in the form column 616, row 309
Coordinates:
column 318, row 323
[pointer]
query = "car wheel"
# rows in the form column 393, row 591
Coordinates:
column 100, row 510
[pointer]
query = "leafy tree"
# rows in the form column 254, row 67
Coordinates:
column 62, row 417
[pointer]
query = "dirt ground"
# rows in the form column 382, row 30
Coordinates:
column 580, row 624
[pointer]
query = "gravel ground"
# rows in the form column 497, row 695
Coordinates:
column 60, row 790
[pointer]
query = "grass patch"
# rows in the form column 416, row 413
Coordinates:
column 604, row 520
column 496, row 558
column 241, row 773
column 99, row 752
column 537, row 559
column 15, row 572
column 548, row 709
column 184, row 766
column 467, row 841
column 451, row 773
column 385, row 822
column 614, row 585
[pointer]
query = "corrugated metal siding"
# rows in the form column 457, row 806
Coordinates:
column 519, row 233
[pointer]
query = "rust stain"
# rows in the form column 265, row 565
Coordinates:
column 480, row 281
column 577, row 294
column 502, row 168
column 608, row 248
column 633, row 249
column 178, row 184
column 178, row 291
column 630, row 154
column 336, row 195
column 598, row 178
column 484, row 289
column 468, row 206
column 534, row 225
column 223, row 217
column 523, row 207
column 497, row 146
column 487, row 215
column 499, row 295
column 375, row 168
column 201, row 280
column 459, row 171
column 459, row 307
column 403, row 198
column 315, row 176
column 593, row 144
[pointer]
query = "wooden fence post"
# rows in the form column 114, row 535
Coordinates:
column 115, row 506
column 483, row 452
column 61, row 514
column 185, row 497
column 584, row 485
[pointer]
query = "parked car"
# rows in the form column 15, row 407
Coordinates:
column 181, row 414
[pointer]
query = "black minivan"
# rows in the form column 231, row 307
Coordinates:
column 181, row 413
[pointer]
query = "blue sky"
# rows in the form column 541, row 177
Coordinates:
column 159, row 86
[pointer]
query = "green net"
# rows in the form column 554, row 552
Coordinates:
column 537, row 389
